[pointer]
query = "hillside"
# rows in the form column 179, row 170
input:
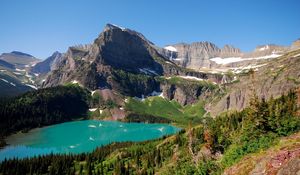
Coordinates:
column 209, row 148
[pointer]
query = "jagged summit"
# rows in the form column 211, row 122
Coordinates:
column 116, row 48
column 113, row 27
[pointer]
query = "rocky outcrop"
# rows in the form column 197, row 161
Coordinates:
column 51, row 63
column 197, row 55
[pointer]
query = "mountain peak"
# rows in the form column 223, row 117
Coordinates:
column 109, row 26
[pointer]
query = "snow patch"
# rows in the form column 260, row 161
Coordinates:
column 17, row 73
column 178, row 59
column 92, row 109
column 148, row 71
column 220, row 60
column 122, row 28
column 36, row 74
column 238, row 70
column 93, row 92
column 264, row 48
column 191, row 78
column 159, row 94
column 171, row 48
column 32, row 86
column 13, row 84
column 20, row 70
column 4, row 80
column 74, row 82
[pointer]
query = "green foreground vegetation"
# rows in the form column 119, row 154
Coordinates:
column 207, row 148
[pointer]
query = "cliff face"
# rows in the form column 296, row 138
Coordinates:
column 197, row 55
column 271, row 80
column 203, row 55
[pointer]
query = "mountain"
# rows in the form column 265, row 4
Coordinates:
column 197, row 54
column 15, row 76
column 117, row 55
column 48, row 64
column 19, row 59
column 206, row 55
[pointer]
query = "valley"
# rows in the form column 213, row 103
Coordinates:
column 230, row 106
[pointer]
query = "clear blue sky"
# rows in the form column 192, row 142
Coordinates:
column 40, row 27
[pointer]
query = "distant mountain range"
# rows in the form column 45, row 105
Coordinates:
column 15, row 75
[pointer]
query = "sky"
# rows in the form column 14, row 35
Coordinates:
column 40, row 27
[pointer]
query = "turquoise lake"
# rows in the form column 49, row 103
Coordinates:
column 80, row 136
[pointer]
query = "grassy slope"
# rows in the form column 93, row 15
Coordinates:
column 171, row 110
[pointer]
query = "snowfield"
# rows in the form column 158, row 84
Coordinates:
column 220, row 60
column 171, row 48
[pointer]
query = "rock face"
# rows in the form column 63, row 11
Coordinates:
column 116, row 51
column 273, row 79
column 197, row 55
column 51, row 63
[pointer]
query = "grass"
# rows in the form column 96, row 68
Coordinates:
column 171, row 110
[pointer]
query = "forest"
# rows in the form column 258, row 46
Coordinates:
column 42, row 107
column 208, row 148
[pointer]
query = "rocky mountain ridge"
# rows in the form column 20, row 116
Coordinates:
column 199, row 55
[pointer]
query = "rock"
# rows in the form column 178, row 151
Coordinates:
column 51, row 63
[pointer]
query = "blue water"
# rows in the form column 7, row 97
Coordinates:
column 80, row 136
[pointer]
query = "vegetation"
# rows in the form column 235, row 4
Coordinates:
column 196, row 151
column 42, row 107
column 170, row 110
